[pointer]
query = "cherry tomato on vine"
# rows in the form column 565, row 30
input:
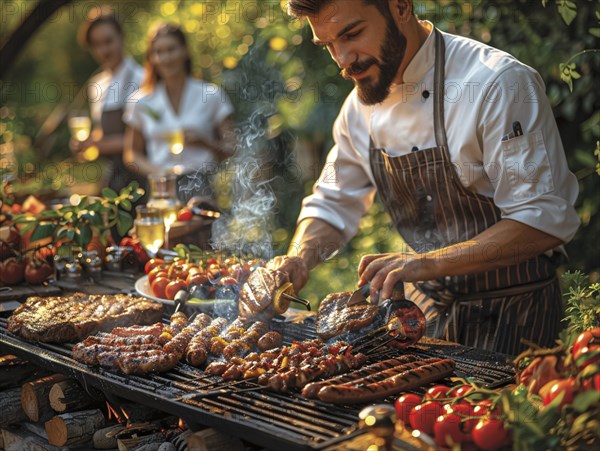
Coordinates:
column 423, row 416
column 489, row 434
column 437, row 391
column 404, row 404
column 448, row 430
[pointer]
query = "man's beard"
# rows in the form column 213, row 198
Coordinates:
column 392, row 52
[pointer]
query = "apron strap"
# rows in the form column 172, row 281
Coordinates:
column 438, row 93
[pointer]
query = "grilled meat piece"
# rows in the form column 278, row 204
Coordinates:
column 179, row 343
column 199, row 346
column 177, row 322
column 63, row 319
column 151, row 361
column 256, row 297
column 335, row 317
column 270, row 340
column 132, row 331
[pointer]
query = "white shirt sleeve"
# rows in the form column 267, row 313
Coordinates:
column 344, row 190
column 134, row 111
column 532, row 182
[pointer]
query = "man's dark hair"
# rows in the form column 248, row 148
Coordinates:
column 302, row 8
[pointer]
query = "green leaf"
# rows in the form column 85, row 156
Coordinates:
column 586, row 399
column 27, row 227
column 124, row 222
column 567, row 10
column 595, row 32
column 109, row 193
column 84, row 236
column 49, row 214
column 70, row 234
column 126, row 204
column 43, row 231
column 24, row 219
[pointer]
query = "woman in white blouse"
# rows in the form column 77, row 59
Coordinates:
column 179, row 124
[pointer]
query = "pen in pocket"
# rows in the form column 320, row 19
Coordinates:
column 517, row 131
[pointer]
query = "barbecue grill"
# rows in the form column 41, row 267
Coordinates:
column 243, row 408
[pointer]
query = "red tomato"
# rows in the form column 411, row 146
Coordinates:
column 404, row 404
column 159, row 270
column 227, row 281
column 566, row 386
column 489, row 434
column 44, row 254
column 10, row 241
column 437, row 391
column 159, row 285
column 423, row 416
column 178, row 270
column 484, row 407
column 185, row 214
column 12, row 271
column 447, row 430
column 584, row 340
column 459, row 390
column 464, row 410
column 35, row 274
column 173, row 287
column 153, row 263
column 196, row 278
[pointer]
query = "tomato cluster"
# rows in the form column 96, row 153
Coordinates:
column 446, row 414
column 203, row 279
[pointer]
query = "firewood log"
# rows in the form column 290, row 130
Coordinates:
column 11, row 411
column 34, row 397
column 210, row 439
column 68, row 396
column 14, row 372
column 75, row 428
column 105, row 438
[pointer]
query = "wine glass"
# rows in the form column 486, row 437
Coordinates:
column 80, row 127
column 150, row 228
column 163, row 196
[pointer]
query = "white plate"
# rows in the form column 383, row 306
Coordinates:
column 142, row 286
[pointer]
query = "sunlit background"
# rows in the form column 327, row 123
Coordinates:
column 260, row 55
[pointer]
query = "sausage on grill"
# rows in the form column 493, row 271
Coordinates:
column 350, row 394
column 270, row 340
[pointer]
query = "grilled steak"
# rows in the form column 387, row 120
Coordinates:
column 70, row 318
column 256, row 297
column 335, row 317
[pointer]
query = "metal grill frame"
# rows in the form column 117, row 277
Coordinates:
column 239, row 414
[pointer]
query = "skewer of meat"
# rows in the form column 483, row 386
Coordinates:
column 177, row 323
column 247, row 341
column 132, row 331
column 423, row 374
column 178, row 344
column 199, row 346
column 234, row 331
column 270, row 340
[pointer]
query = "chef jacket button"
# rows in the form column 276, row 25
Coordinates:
column 429, row 198
column 414, row 149
column 428, row 234
column 425, row 94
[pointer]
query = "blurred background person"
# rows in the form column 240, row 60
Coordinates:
column 108, row 92
column 178, row 124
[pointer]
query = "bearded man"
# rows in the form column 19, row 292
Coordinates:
column 459, row 141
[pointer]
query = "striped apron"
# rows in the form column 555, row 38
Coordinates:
column 431, row 209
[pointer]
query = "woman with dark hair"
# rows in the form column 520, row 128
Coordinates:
column 109, row 91
column 179, row 123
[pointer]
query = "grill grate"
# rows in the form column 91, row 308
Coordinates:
column 268, row 419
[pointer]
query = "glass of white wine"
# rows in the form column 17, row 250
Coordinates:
column 163, row 196
column 150, row 228
column 80, row 125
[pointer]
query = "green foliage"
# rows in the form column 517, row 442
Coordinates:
column 89, row 216
column 582, row 305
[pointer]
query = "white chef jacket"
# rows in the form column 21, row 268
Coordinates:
column 203, row 107
column 109, row 91
column 486, row 90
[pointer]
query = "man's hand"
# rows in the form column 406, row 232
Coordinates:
column 295, row 267
column 384, row 271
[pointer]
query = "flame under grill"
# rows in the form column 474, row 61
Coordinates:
column 245, row 409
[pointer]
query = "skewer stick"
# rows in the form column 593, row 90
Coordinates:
column 304, row 302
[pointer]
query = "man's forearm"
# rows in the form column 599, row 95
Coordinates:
column 314, row 241
column 506, row 243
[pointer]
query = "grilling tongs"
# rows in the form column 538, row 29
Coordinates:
column 284, row 295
